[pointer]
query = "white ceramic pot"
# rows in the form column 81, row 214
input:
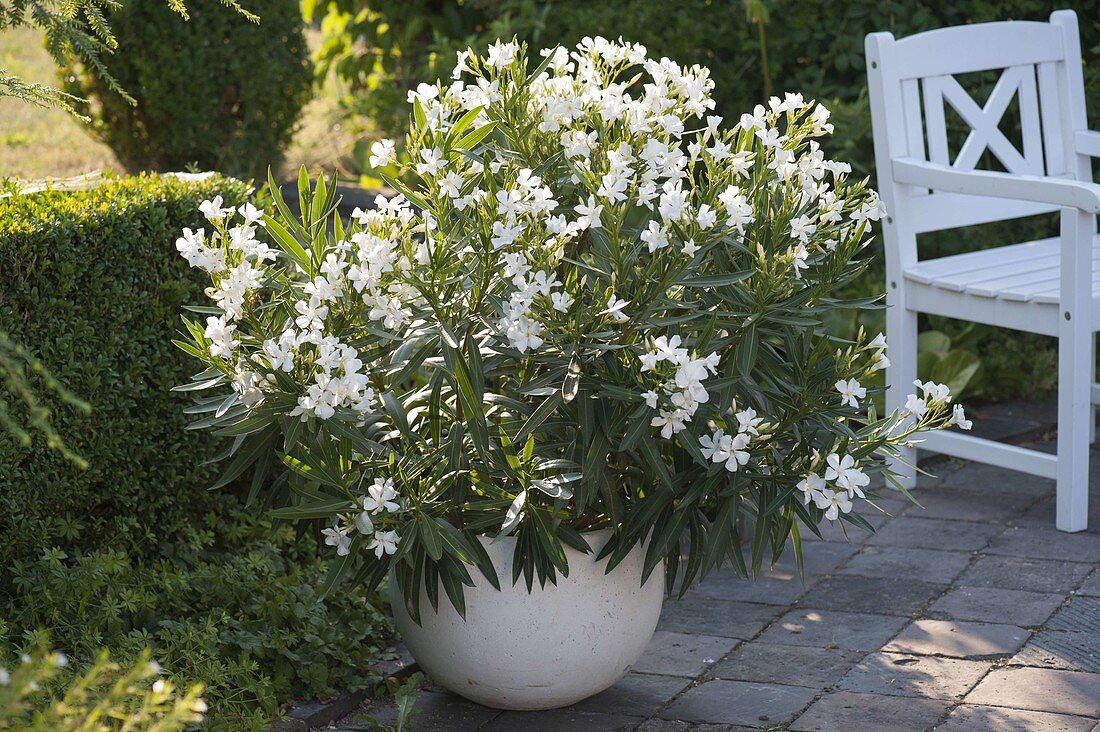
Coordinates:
column 540, row 650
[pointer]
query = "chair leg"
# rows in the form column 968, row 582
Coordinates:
column 1075, row 371
column 901, row 334
column 1074, row 410
column 1092, row 409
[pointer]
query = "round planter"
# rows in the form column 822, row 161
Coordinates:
column 540, row 650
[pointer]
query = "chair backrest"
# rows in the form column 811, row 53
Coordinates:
column 911, row 81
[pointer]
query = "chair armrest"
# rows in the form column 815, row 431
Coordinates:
column 1055, row 191
column 1087, row 142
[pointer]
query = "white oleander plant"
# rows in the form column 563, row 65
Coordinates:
column 589, row 305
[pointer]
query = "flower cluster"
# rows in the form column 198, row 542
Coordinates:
column 381, row 499
column 591, row 302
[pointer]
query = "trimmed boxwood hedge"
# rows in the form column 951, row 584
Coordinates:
column 91, row 284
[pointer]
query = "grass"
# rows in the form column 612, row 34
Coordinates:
column 37, row 143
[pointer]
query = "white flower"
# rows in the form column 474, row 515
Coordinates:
column 706, row 217
column 846, row 473
column 615, row 309
column 959, row 417
column 311, row 314
column 933, row 391
column 800, row 255
column 213, row 210
column 656, row 236
column 850, row 392
column 523, row 333
column 382, row 153
column 337, row 536
column 748, row 422
column 384, row 542
column 689, row 248
column 250, row 214
column 500, row 54
column 880, row 362
column 431, row 161
column 915, row 406
column 650, row 398
column 504, row 235
column 561, row 301
column 729, row 449
column 460, row 65
column 668, row 349
column 801, row 228
column 220, row 333
column 669, row 422
column 834, row 503
column 589, row 214
column 812, row 486
column 380, row 497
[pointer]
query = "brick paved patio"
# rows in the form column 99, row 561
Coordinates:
column 971, row 613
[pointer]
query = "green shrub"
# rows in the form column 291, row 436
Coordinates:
column 92, row 285
column 216, row 91
column 241, row 614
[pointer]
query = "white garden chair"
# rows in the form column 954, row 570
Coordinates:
column 1049, row 286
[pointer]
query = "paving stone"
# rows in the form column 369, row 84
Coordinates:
column 850, row 712
column 1041, row 515
column 1063, row 649
column 958, row 639
column 843, row 532
column 820, row 559
column 970, row 717
column 1040, row 689
column 1091, row 585
column 898, row 674
column 438, row 711
column 697, row 614
column 833, row 629
column 1025, row 573
column 555, row 720
column 1015, row 607
column 871, row 594
column 682, row 654
column 927, row 565
column 981, row 478
column 673, row 725
column 1071, row 640
column 783, row 664
column 940, row 503
column 1081, row 614
column 775, row 587
column 927, row 533
column 635, row 694
column 740, row 702
column 1048, row 544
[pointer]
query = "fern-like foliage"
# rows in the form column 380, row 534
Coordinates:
column 77, row 29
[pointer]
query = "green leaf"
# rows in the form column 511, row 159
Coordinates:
column 513, row 516
column 956, row 369
column 472, row 138
column 431, row 537
column 325, row 509
column 288, row 244
column 338, row 568
column 721, row 280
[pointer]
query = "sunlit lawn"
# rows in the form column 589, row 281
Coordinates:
column 37, row 143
